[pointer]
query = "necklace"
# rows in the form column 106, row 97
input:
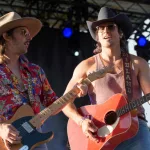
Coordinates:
column 117, row 66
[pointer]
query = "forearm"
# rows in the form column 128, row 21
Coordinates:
column 71, row 112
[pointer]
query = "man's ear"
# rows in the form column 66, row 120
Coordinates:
column 6, row 36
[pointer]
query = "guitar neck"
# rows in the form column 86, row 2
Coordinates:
column 39, row 119
column 133, row 104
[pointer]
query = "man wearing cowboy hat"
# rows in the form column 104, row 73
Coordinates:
column 110, row 31
column 15, row 36
column 21, row 82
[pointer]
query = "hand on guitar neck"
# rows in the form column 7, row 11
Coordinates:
column 87, row 125
column 83, row 83
column 9, row 135
column 83, row 88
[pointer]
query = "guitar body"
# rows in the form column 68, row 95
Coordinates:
column 24, row 121
column 29, row 140
column 110, row 136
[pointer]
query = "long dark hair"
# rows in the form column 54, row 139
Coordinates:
column 2, row 44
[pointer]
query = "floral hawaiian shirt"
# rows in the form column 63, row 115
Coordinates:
column 12, row 96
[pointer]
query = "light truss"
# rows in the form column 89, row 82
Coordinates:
column 57, row 13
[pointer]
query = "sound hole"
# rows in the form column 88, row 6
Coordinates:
column 110, row 118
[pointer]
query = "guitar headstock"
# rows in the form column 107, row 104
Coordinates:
column 99, row 74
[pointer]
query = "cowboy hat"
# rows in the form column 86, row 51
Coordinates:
column 107, row 15
column 12, row 20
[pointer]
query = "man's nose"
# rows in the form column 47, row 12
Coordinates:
column 28, row 36
column 106, row 29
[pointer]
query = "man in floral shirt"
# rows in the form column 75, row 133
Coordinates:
column 21, row 82
column 16, row 72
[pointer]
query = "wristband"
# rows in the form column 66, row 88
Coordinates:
column 81, row 120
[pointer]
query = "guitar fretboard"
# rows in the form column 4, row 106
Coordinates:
column 133, row 104
column 38, row 120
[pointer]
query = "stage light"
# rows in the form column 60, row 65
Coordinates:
column 76, row 53
column 142, row 41
column 67, row 32
column 143, row 50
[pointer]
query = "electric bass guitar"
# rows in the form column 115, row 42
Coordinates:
column 27, row 124
column 116, row 120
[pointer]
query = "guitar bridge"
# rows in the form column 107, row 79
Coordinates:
column 27, row 127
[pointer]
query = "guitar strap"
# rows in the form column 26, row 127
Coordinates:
column 30, row 88
column 127, row 65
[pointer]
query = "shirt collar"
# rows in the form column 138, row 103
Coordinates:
column 24, row 63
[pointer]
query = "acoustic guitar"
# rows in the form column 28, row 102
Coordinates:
column 116, row 120
column 27, row 124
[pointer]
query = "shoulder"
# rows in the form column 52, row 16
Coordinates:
column 85, row 65
column 82, row 68
column 138, row 60
column 27, row 64
column 87, row 62
column 140, row 64
column 35, row 68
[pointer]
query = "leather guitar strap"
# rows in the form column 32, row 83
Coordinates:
column 30, row 89
column 127, row 65
column 128, row 79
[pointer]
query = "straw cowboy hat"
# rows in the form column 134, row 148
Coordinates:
column 12, row 20
column 106, row 15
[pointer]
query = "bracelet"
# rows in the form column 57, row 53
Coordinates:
column 81, row 121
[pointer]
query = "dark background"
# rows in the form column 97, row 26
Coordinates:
column 54, row 54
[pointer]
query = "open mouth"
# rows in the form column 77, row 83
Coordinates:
column 27, row 44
